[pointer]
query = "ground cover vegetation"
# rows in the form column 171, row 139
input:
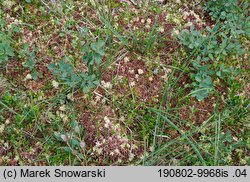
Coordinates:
column 120, row 82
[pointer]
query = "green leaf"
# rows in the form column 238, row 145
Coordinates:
column 211, row 56
column 34, row 74
column 98, row 47
column 74, row 143
column 67, row 149
column 51, row 66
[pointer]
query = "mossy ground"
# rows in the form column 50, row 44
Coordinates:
column 141, row 113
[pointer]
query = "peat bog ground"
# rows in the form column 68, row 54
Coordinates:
column 120, row 82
